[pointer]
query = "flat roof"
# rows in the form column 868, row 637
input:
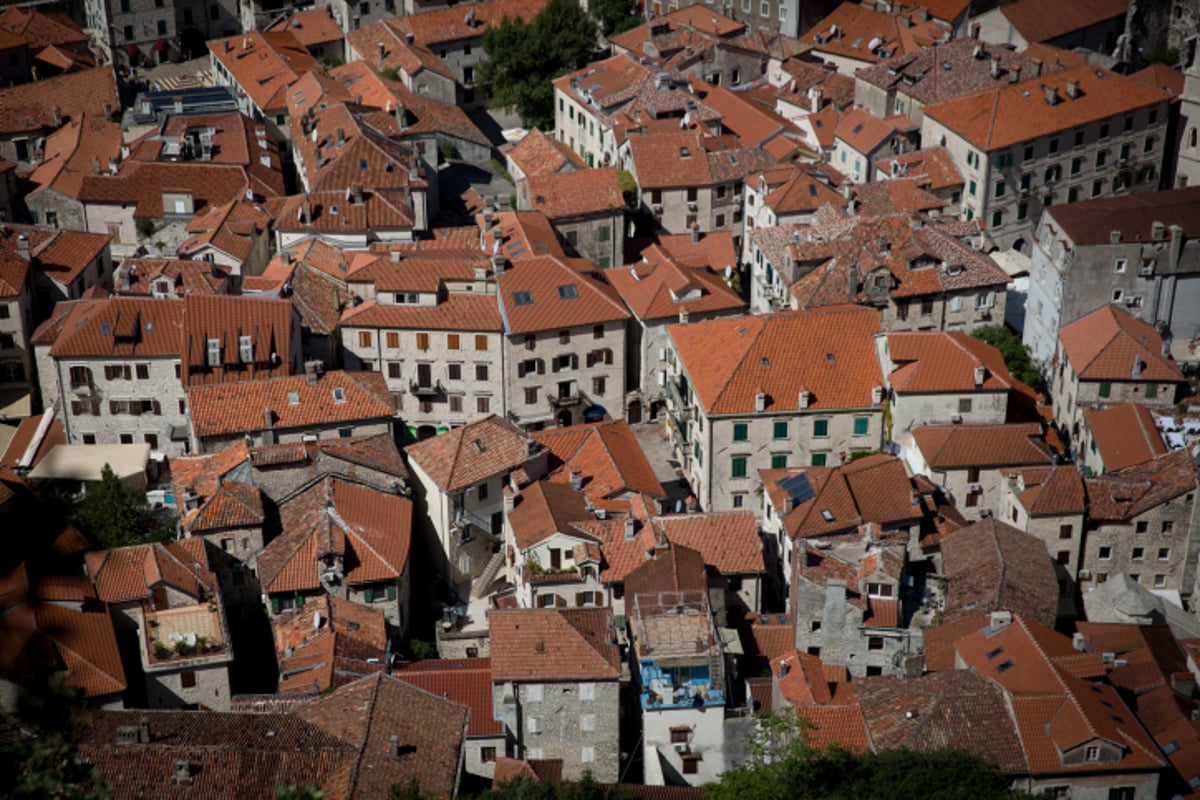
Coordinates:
column 85, row 462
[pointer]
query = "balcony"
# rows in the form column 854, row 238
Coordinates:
column 566, row 399
column 681, row 410
column 426, row 390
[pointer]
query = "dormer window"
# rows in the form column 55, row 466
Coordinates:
column 1092, row 753
column 246, row 349
column 339, row 395
column 214, row 352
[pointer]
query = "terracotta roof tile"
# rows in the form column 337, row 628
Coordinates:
column 39, row 29
column 1015, row 113
column 1123, row 494
column 563, row 195
column 659, row 287
column 458, row 312
column 679, row 569
column 138, row 276
column 472, row 453
column 1125, row 435
column 65, row 255
column 399, row 54
column 827, row 352
column 1161, row 76
column 311, row 27
column 1105, row 344
column 235, row 408
column 232, row 228
column 227, row 319
column 450, row 25
column 1037, row 23
column 991, row 566
column 468, row 685
column 370, row 529
column 264, row 65
column 728, row 541
column 944, row 361
column 131, row 573
column 1093, row 221
column 962, row 446
column 606, row 453
column 1049, row 491
column 549, row 644
column 31, row 107
column 69, row 152
column 591, row 302
column 931, row 170
column 539, row 154
column 543, row 509
column 368, row 713
column 850, row 29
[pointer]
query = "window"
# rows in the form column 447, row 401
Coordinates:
column 483, row 405
column 781, row 429
column 737, row 467
column 1097, row 188
column 187, row 679
column 1105, row 388
column 364, row 338
column 533, row 694
column 128, row 31
column 587, row 755
column 1151, row 391
column 162, row 27
column 598, row 385
column 1072, row 194
column 1168, row 526
column 1076, row 166
column 481, row 342
column 1054, row 145
column 862, row 426
column 820, row 428
column 564, row 337
column 741, row 431
column 1101, row 158
column 739, row 500
column 587, row 691
column 970, row 187
column 452, row 342
column 1149, row 146
column 393, row 369
column 89, row 438
column 818, row 459
column 487, row 754
column 874, row 642
column 1000, row 189
column 1066, row 531
column 531, row 395
column 422, row 341
column 778, row 461
column 1104, row 553
column 964, row 405
column 481, row 372
column 997, row 219
column 1091, row 754
column 1138, row 553
column 1023, row 210
column 454, row 372
column 691, row 762
column 1164, row 554
column 125, row 438
column 1064, row 557
column 455, row 402
column 587, row 722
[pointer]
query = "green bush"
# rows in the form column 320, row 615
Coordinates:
column 145, row 226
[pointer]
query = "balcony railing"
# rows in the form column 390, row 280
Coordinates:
column 565, row 399
column 426, row 390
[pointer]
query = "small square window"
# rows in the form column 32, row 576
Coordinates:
column 1164, row 554
column 781, row 429
column 862, row 426
column 820, row 428
column 741, row 431
column 1138, row 553
column 1104, row 553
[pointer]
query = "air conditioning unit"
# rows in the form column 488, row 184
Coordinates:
column 682, row 748
column 692, row 206
column 656, row 208
column 974, row 488
column 984, row 513
column 1085, row 574
column 956, row 419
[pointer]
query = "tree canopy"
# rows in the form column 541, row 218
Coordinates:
column 523, row 59
column 615, row 16
column 112, row 511
column 1016, row 355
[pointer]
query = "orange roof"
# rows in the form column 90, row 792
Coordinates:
column 370, row 529
column 458, row 312
column 1020, row 112
column 544, row 509
column 264, row 64
column 1049, row 491
column 863, row 131
column 293, row 402
column 140, row 276
column 555, row 293
column 227, row 319
column 991, row 566
column 312, row 27
column 38, row 29
column 1160, row 76
column 1108, row 343
column 606, row 453
column 728, row 540
column 550, row 644
column 31, row 106
column 398, row 53
column 1037, row 22
column 851, row 29
column 131, row 573
column 539, row 154
column 120, row 326
column 962, row 446
column 560, row 195
column 659, row 287
column 466, row 683
column 232, row 228
column 1125, row 435
column 1123, row 494
column 828, row 352
column 931, row 169
column 451, row 25
column 69, row 153
column 944, row 361
column 472, row 453
column 793, row 188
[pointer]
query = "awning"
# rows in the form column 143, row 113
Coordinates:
column 132, row 51
column 161, row 46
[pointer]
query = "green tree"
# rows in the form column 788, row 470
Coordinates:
column 1016, row 355
column 112, row 511
column 1163, row 55
column 523, row 59
column 298, row 791
column 615, row 16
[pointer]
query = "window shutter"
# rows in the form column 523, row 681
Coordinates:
column 391, row 591
column 520, row 369
column 579, row 599
column 541, row 367
column 274, row 605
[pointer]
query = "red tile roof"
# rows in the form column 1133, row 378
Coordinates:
column 132, row 573
column 1161, row 76
column 138, row 276
column 468, row 684
column 608, row 456
column 1016, row 113
column 553, row 306
column 1049, row 491
column 1133, row 216
column 875, row 489
column 539, row 154
column 69, row 152
column 232, row 228
column 371, row 530
column 31, row 107
column 458, row 312
column 1105, row 344
column 793, row 189
column 472, row 453
column 1036, row 22
column 944, row 361
column 1123, row 494
column 728, row 540
column 226, row 319
column 450, row 24
column 1125, row 435
column 311, row 27
column 947, row 447
column 563, row 195
column 264, row 65
column 144, row 182
column 368, row 713
column 399, row 54
column 931, row 170
column 659, row 287
column 991, row 566
column 550, row 644
column 39, row 29
column 851, row 29
column 543, row 509
column 827, row 352
column 235, row 408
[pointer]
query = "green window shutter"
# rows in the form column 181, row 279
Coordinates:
column 820, row 427
column 738, row 467
column 274, row 605
column 781, row 431
column 818, row 459
column 1105, row 388
column 861, row 425
column 299, row 601
column 1151, row 391
column 391, row 591
column 741, row 431
column 778, row 462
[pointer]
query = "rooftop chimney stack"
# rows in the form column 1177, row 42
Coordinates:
column 1051, row 95
column 576, row 480
column 695, row 233
column 817, row 95
column 23, row 246
column 1073, row 89
column 995, row 66
column 58, row 117
column 1136, row 372
column 760, row 402
column 382, row 51
column 980, row 376
column 1014, row 73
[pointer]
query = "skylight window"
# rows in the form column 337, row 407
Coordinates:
column 857, row 128
column 293, row 398
column 685, row 153
column 1005, row 667
column 568, row 292
column 812, row 190
column 993, row 653
column 523, row 298
column 339, row 395
column 827, row 515
column 362, row 164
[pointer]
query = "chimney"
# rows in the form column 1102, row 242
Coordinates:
column 268, row 435
column 191, row 499
column 481, row 273
column 803, row 399
column 817, row 95
column 1073, row 89
column 143, row 731
column 341, row 138
column 876, row 395
column 382, row 51
column 113, row 163
column 531, row 447
column 683, row 316
column 409, row 38
column 498, row 263
column 576, row 480
column 695, row 233
column 760, row 402
column 1037, row 67
column 1158, row 231
column 312, row 372
column 356, row 194
column 96, row 165
column 980, row 376
column 662, row 81
column 1014, row 74
column 401, row 117
column 852, row 283
column 1000, row 620
column 58, row 117
column 1114, row 237
column 510, row 501
column 1051, row 95
column 183, row 771
column 23, row 246
column 306, row 211
column 394, row 741
column 1136, row 372
column 995, row 66
column 629, row 531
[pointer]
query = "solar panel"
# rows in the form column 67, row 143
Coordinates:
column 798, row 487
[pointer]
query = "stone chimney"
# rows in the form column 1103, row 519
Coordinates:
column 1136, row 372
column 356, row 194
column 382, row 51
column 576, row 480
column 662, row 81
column 58, row 117
column 1014, row 74
column 695, row 233
column 995, row 66
column 341, row 137
column 852, row 283
column 816, row 95
column 1001, row 620
column 760, row 402
column 980, row 376
column 1073, row 89
column 23, row 246
column 498, row 263
column 268, row 434
column 1051, row 95
column 803, row 399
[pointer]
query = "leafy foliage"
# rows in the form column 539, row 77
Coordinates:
column 629, row 187
column 112, row 511
column 1163, row 55
column 615, row 16
column 1016, row 355
column 783, row 767
column 523, row 59
column 145, row 226
column 586, row 788
column 298, row 791
column 421, row 650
